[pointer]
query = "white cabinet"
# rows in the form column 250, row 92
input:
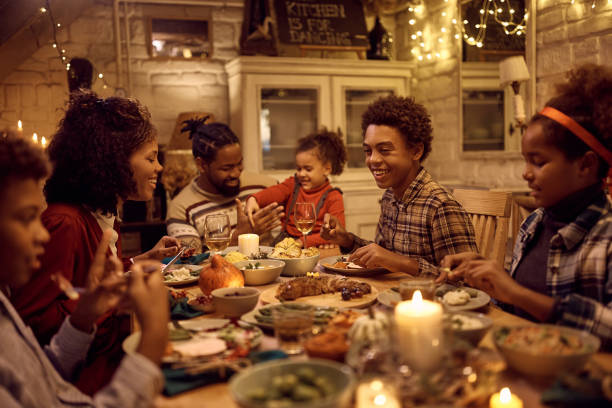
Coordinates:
column 275, row 101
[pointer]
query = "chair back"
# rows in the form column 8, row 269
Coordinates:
column 490, row 215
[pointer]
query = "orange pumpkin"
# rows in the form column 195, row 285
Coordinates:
column 220, row 274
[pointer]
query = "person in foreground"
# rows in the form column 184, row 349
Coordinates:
column 420, row 222
column 316, row 157
column 218, row 189
column 31, row 376
column 104, row 152
column 561, row 270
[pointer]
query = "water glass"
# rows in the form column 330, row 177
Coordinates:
column 427, row 286
column 292, row 327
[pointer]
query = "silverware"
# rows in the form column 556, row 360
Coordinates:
column 173, row 260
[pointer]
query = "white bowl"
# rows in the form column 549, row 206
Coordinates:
column 234, row 302
column 471, row 335
column 298, row 266
column 272, row 269
column 339, row 378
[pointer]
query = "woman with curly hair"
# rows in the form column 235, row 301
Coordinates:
column 105, row 152
column 316, row 157
column 561, row 269
column 420, row 222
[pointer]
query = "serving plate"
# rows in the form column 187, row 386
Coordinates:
column 251, row 316
column 327, row 299
column 330, row 260
column 390, row 298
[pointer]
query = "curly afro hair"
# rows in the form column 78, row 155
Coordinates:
column 330, row 148
column 20, row 160
column 404, row 114
column 91, row 151
column 587, row 98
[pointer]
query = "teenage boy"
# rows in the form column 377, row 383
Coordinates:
column 420, row 222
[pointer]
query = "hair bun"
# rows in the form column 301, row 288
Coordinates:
column 192, row 125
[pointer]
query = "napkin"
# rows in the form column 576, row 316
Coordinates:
column 178, row 381
column 181, row 310
column 561, row 395
column 192, row 260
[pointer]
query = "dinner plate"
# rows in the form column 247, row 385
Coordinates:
column 327, row 299
column 250, row 318
column 391, row 298
column 330, row 260
column 188, row 281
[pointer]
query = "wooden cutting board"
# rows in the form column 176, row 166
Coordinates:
column 328, row 299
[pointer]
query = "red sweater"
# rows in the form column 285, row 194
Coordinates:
column 281, row 194
column 75, row 235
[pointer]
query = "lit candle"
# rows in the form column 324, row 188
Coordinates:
column 43, row 141
column 505, row 399
column 376, row 394
column 248, row 244
column 419, row 325
column 35, row 137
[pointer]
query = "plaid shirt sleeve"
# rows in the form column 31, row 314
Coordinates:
column 587, row 314
column 451, row 233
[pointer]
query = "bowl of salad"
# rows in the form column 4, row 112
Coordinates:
column 545, row 350
column 260, row 271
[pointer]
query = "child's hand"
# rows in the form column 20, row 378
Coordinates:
column 250, row 208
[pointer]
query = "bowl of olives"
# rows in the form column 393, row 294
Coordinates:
column 313, row 383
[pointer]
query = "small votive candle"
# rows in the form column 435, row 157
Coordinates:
column 376, row 394
column 248, row 244
column 419, row 326
column 505, row 399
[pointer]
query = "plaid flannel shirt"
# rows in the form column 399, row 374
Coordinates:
column 579, row 269
column 426, row 224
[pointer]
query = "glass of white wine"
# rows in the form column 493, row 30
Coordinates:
column 305, row 218
column 217, row 232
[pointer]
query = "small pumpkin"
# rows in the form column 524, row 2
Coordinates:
column 220, row 274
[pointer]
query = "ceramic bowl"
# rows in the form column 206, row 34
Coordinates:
column 234, row 302
column 339, row 379
column 298, row 266
column 540, row 358
column 468, row 326
column 272, row 269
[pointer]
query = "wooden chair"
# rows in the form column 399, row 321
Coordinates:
column 490, row 215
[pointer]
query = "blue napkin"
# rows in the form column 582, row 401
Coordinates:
column 181, row 310
column 178, row 381
column 192, row 260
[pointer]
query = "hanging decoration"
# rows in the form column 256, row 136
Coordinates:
column 503, row 13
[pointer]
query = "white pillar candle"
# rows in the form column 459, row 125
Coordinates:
column 419, row 326
column 375, row 394
column 248, row 244
column 505, row 399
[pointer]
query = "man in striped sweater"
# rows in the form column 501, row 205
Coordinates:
column 220, row 188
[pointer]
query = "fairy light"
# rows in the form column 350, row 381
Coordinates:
column 43, row 10
column 496, row 9
column 35, row 137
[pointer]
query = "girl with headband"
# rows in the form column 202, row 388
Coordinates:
column 561, row 270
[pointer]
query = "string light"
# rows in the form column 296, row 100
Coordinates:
column 491, row 8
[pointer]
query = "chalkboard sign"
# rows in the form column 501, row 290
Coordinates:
column 324, row 23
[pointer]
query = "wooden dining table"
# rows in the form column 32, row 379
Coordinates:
column 218, row 395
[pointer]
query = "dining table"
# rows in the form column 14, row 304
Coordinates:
column 527, row 389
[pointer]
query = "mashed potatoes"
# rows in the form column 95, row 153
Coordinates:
column 235, row 256
column 457, row 297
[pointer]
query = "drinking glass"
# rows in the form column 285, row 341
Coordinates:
column 292, row 326
column 305, row 218
column 427, row 286
column 217, row 232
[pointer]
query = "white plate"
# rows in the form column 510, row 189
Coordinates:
column 330, row 260
column 190, row 280
column 390, row 298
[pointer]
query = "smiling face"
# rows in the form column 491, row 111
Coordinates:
column 550, row 174
column 393, row 164
column 310, row 170
column 146, row 169
column 222, row 175
column 21, row 231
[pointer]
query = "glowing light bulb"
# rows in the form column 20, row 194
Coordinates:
column 456, row 36
column 411, row 21
column 443, row 29
column 444, row 14
column 419, row 33
column 43, row 141
column 465, row 21
column 413, row 36
column 35, row 137
column 43, row 10
column 54, row 45
column 454, row 21
column 100, row 75
column 58, row 25
column 19, row 125
column 420, row 58
column 481, row 11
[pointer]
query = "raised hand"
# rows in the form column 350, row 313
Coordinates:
column 263, row 220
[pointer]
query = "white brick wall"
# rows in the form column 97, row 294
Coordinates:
column 37, row 90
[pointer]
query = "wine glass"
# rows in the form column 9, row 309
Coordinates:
column 305, row 218
column 217, row 232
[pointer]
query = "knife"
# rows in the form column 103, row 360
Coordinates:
column 173, row 260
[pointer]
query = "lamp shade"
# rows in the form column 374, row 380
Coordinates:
column 180, row 140
column 513, row 69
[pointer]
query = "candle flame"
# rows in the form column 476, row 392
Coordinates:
column 380, row 399
column 417, row 297
column 504, row 395
column 19, row 125
column 35, row 137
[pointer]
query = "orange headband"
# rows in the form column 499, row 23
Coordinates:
column 579, row 131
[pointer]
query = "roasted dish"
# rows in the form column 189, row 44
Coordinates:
column 290, row 248
column 313, row 286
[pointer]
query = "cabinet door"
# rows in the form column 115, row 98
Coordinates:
column 287, row 108
column 350, row 98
